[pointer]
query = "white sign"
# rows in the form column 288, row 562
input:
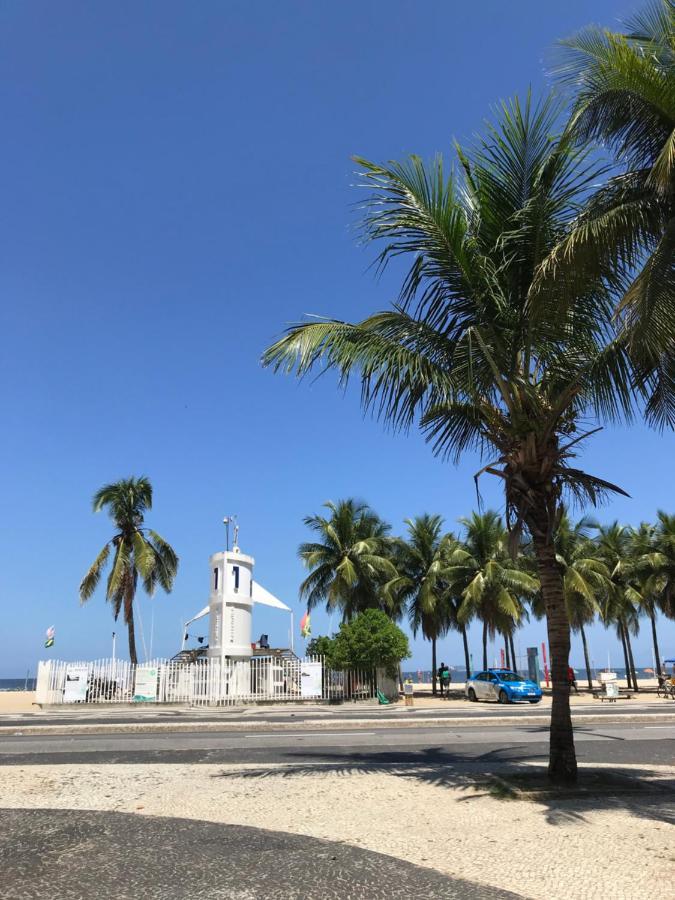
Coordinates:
column 310, row 679
column 145, row 689
column 75, row 688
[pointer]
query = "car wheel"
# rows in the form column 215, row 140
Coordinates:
column 472, row 695
column 536, row 701
column 503, row 697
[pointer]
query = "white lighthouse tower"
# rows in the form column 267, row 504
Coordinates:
column 231, row 605
column 232, row 595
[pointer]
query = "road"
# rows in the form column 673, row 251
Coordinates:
column 618, row 743
column 287, row 714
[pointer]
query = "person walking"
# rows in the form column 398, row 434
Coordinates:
column 444, row 678
column 572, row 679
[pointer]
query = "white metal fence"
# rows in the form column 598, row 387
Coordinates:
column 204, row 682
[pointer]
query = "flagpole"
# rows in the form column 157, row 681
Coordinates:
column 292, row 633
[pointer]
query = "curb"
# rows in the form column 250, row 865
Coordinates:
column 321, row 725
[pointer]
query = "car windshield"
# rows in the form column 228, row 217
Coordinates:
column 509, row 676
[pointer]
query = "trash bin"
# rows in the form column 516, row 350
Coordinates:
column 408, row 688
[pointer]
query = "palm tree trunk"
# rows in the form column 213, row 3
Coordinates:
column 631, row 661
column 467, row 656
column 507, row 654
column 485, row 645
column 655, row 641
column 129, row 594
column 132, row 634
column 433, row 665
column 562, row 764
column 514, row 661
column 622, row 632
column 588, row 665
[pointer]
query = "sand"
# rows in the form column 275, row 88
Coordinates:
column 17, row 702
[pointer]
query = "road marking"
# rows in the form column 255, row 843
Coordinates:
column 277, row 734
column 668, row 727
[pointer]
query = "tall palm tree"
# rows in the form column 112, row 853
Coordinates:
column 664, row 563
column 585, row 578
column 646, row 564
column 349, row 561
column 419, row 585
column 624, row 99
column 622, row 600
column 653, row 550
column 481, row 351
column 492, row 583
column 138, row 551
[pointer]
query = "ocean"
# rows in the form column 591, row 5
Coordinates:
column 458, row 673
column 17, row 684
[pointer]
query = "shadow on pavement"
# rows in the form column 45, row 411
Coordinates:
column 501, row 774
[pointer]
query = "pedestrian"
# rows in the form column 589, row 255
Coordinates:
column 572, row 679
column 444, row 677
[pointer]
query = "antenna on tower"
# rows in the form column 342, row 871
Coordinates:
column 235, row 545
column 226, row 523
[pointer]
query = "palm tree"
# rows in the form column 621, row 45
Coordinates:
column 646, row 563
column 138, row 551
column 480, row 350
column 585, row 578
column 624, row 100
column 349, row 562
column 420, row 560
column 622, row 600
column 664, row 563
column 491, row 582
column 653, row 551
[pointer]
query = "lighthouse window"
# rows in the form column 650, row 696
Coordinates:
column 235, row 572
column 215, row 579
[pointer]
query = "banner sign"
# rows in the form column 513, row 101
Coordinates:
column 310, row 679
column 75, row 688
column 145, row 689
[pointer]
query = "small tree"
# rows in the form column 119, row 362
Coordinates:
column 324, row 646
column 370, row 641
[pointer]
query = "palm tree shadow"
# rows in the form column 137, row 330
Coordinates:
column 500, row 774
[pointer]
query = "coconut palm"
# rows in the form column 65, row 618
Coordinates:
column 646, row 564
column 491, row 582
column 137, row 551
column 481, row 351
column 624, row 99
column 420, row 560
column 622, row 600
column 349, row 561
column 664, row 563
column 585, row 578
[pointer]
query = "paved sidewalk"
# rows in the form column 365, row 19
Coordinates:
column 456, row 821
column 48, row 853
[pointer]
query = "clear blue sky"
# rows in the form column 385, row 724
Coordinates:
column 176, row 188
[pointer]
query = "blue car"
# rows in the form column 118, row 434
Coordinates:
column 502, row 685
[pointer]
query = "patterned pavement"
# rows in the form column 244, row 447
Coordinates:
column 85, row 855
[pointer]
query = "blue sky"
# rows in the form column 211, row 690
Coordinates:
column 177, row 187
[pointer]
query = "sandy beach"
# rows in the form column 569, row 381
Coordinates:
column 17, row 702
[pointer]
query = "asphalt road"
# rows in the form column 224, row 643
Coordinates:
column 124, row 715
column 616, row 743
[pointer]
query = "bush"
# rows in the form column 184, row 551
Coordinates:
column 370, row 641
